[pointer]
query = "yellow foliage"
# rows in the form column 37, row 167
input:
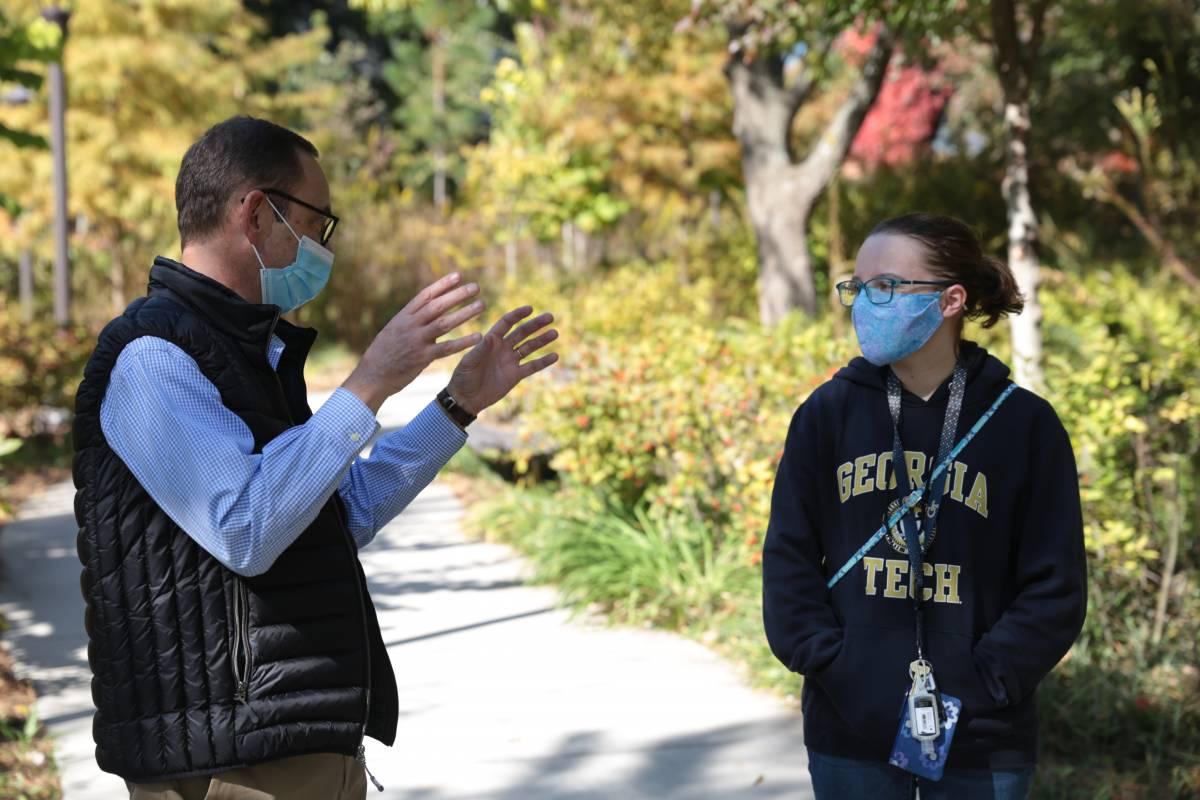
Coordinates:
column 144, row 80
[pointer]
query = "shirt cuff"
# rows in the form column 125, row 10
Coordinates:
column 346, row 422
column 437, row 432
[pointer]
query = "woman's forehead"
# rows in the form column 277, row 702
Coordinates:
column 895, row 255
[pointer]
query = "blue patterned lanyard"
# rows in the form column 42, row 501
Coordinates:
column 915, row 496
column 934, row 490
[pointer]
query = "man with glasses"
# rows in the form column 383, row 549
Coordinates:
column 235, row 649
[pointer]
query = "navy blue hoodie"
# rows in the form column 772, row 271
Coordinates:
column 1005, row 575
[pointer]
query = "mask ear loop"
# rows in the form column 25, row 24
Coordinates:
column 282, row 218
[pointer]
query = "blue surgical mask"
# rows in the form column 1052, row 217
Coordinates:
column 294, row 285
column 893, row 332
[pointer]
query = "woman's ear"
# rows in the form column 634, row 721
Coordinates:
column 954, row 301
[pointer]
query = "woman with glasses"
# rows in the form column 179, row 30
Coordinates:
column 924, row 563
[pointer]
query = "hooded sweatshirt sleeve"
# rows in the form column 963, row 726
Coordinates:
column 802, row 629
column 1046, row 615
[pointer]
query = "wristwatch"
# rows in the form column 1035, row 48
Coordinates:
column 461, row 417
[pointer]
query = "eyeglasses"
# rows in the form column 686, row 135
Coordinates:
column 331, row 220
column 880, row 291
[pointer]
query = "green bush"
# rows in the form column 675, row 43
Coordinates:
column 40, row 365
column 663, row 401
column 1122, row 714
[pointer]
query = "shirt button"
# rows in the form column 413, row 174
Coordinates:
column 354, row 437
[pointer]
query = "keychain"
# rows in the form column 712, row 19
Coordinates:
column 927, row 723
column 924, row 707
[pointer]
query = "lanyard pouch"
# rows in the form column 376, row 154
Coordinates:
column 925, row 760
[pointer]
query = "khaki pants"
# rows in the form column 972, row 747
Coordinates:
column 319, row 776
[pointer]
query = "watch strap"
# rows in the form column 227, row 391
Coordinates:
column 460, row 415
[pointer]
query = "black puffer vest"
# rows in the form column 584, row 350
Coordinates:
column 196, row 669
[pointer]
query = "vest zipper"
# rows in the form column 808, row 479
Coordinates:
column 362, row 605
column 242, row 662
column 242, row 657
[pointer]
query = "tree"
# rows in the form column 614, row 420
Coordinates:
column 1143, row 160
column 540, row 171
column 1017, row 32
column 777, row 60
column 21, row 49
column 145, row 81
column 609, row 134
column 442, row 56
column 905, row 117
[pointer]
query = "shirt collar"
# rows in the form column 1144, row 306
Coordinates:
column 275, row 351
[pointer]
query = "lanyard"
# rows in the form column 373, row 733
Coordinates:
column 915, row 496
column 934, row 489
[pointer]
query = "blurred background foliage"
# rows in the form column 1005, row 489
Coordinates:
column 582, row 156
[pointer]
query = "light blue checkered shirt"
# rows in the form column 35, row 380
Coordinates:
column 195, row 458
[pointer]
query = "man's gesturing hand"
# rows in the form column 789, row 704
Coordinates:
column 408, row 343
column 493, row 367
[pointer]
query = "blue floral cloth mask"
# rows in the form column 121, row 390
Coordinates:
column 294, row 285
column 894, row 331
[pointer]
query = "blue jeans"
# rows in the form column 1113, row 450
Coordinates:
column 849, row 779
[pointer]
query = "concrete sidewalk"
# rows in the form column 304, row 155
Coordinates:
column 502, row 694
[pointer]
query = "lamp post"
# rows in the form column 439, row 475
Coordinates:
column 58, row 141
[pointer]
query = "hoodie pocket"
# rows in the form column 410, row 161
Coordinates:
column 954, row 665
column 865, row 683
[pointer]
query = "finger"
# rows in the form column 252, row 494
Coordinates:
column 433, row 291
column 537, row 365
column 505, row 323
column 440, row 305
column 528, row 348
column 448, row 322
column 529, row 328
column 449, row 348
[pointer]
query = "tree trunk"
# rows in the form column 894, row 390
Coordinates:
column 837, row 255
column 437, row 56
column 117, row 285
column 780, row 193
column 1016, row 60
column 1176, row 510
column 1022, row 248
column 568, row 247
column 779, row 207
column 510, row 257
column 25, row 284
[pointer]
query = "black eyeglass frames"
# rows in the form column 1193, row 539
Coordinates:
column 880, row 291
column 331, row 220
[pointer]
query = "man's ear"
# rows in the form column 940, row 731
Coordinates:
column 252, row 216
column 954, row 300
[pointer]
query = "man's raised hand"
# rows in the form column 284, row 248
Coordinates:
column 503, row 359
column 408, row 343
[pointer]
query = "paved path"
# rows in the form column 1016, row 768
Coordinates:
column 502, row 694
